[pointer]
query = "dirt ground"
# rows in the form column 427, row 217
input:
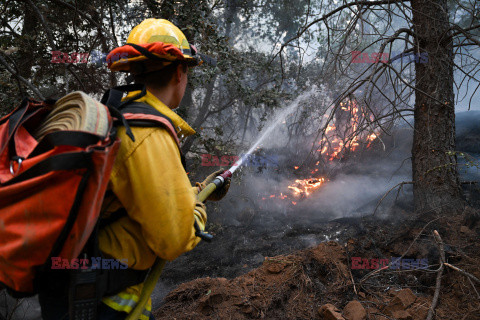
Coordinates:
column 319, row 282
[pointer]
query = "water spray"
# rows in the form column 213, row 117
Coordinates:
column 220, row 180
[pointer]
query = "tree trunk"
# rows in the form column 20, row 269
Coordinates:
column 436, row 183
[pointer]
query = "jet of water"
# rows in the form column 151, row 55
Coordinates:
column 272, row 125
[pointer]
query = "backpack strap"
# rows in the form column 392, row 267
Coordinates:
column 112, row 98
column 139, row 114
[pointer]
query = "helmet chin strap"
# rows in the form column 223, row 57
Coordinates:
column 130, row 78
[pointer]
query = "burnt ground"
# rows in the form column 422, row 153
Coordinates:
column 236, row 250
column 243, row 238
column 240, row 277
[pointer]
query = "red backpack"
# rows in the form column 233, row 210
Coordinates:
column 51, row 191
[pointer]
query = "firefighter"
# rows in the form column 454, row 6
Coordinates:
column 152, row 205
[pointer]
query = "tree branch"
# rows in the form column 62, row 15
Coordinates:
column 469, row 275
column 465, row 33
column 331, row 13
column 22, row 79
column 439, row 242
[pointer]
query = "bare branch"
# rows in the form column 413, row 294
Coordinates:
column 466, row 34
column 465, row 273
column 20, row 78
column 439, row 242
column 333, row 12
column 387, row 193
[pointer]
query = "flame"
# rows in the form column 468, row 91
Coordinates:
column 301, row 189
column 370, row 139
column 330, row 127
column 305, row 186
column 342, row 135
column 295, row 189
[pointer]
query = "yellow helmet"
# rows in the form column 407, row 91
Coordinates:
column 151, row 45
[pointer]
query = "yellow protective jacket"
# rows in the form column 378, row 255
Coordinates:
column 149, row 181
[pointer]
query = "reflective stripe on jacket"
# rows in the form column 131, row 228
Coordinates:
column 126, row 302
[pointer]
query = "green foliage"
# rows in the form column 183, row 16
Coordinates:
column 469, row 161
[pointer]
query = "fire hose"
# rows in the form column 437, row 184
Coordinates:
column 157, row 268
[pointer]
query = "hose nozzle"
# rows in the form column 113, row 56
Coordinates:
column 220, row 179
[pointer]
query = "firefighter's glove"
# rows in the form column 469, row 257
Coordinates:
column 218, row 193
